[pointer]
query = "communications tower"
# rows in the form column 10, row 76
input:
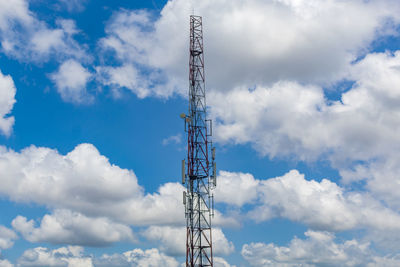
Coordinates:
column 199, row 172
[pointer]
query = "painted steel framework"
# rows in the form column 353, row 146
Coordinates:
column 200, row 174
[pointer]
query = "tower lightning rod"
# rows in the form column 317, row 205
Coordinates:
column 199, row 172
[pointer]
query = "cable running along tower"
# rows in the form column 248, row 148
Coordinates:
column 199, row 172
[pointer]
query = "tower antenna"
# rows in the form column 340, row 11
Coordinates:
column 199, row 172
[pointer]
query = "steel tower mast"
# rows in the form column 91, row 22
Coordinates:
column 200, row 173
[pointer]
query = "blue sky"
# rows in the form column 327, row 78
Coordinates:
column 304, row 96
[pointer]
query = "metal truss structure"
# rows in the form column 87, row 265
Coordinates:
column 199, row 173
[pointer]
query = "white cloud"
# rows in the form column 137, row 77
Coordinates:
column 273, row 120
column 66, row 227
column 289, row 119
column 381, row 177
column 220, row 262
column 71, row 80
column 7, row 101
column 86, row 184
column 35, row 40
column 89, row 187
column 236, row 188
column 126, row 76
column 45, row 39
column 320, row 205
column 377, row 93
column 230, row 219
column 247, row 43
column 71, row 256
column 358, row 133
column 318, row 249
column 173, row 139
column 73, row 5
column 82, row 186
column 387, row 261
column 171, row 240
column 7, row 237
column 137, row 257
column 83, row 180
column 14, row 10
column 5, row 263
column 387, row 240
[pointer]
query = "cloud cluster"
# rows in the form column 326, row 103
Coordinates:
column 84, row 190
column 320, row 205
column 66, row 227
column 7, row 101
column 247, row 43
column 257, row 43
column 293, row 119
column 318, row 249
column 35, row 40
column 80, row 180
column 87, row 190
column 221, row 262
column 25, row 37
column 236, row 188
column 5, row 263
column 73, row 256
column 137, row 257
column 71, row 80
column 64, row 256
column 7, row 237
column 93, row 202
column 358, row 133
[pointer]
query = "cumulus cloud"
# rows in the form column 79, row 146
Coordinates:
column 73, row 256
column 84, row 188
column 7, row 101
column 135, row 42
column 289, row 119
column 137, row 257
column 82, row 180
column 320, row 205
column 268, row 41
column 71, row 80
column 64, row 256
column 126, row 76
column 381, row 179
column 377, row 78
column 35, row 40
column 172, row 240
column 221, row 262
column 14, row 10
column 358, row 133
column 236, row 188
column 66, row 227
column 5, row 263
column 318, row 249
column 7, row 237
